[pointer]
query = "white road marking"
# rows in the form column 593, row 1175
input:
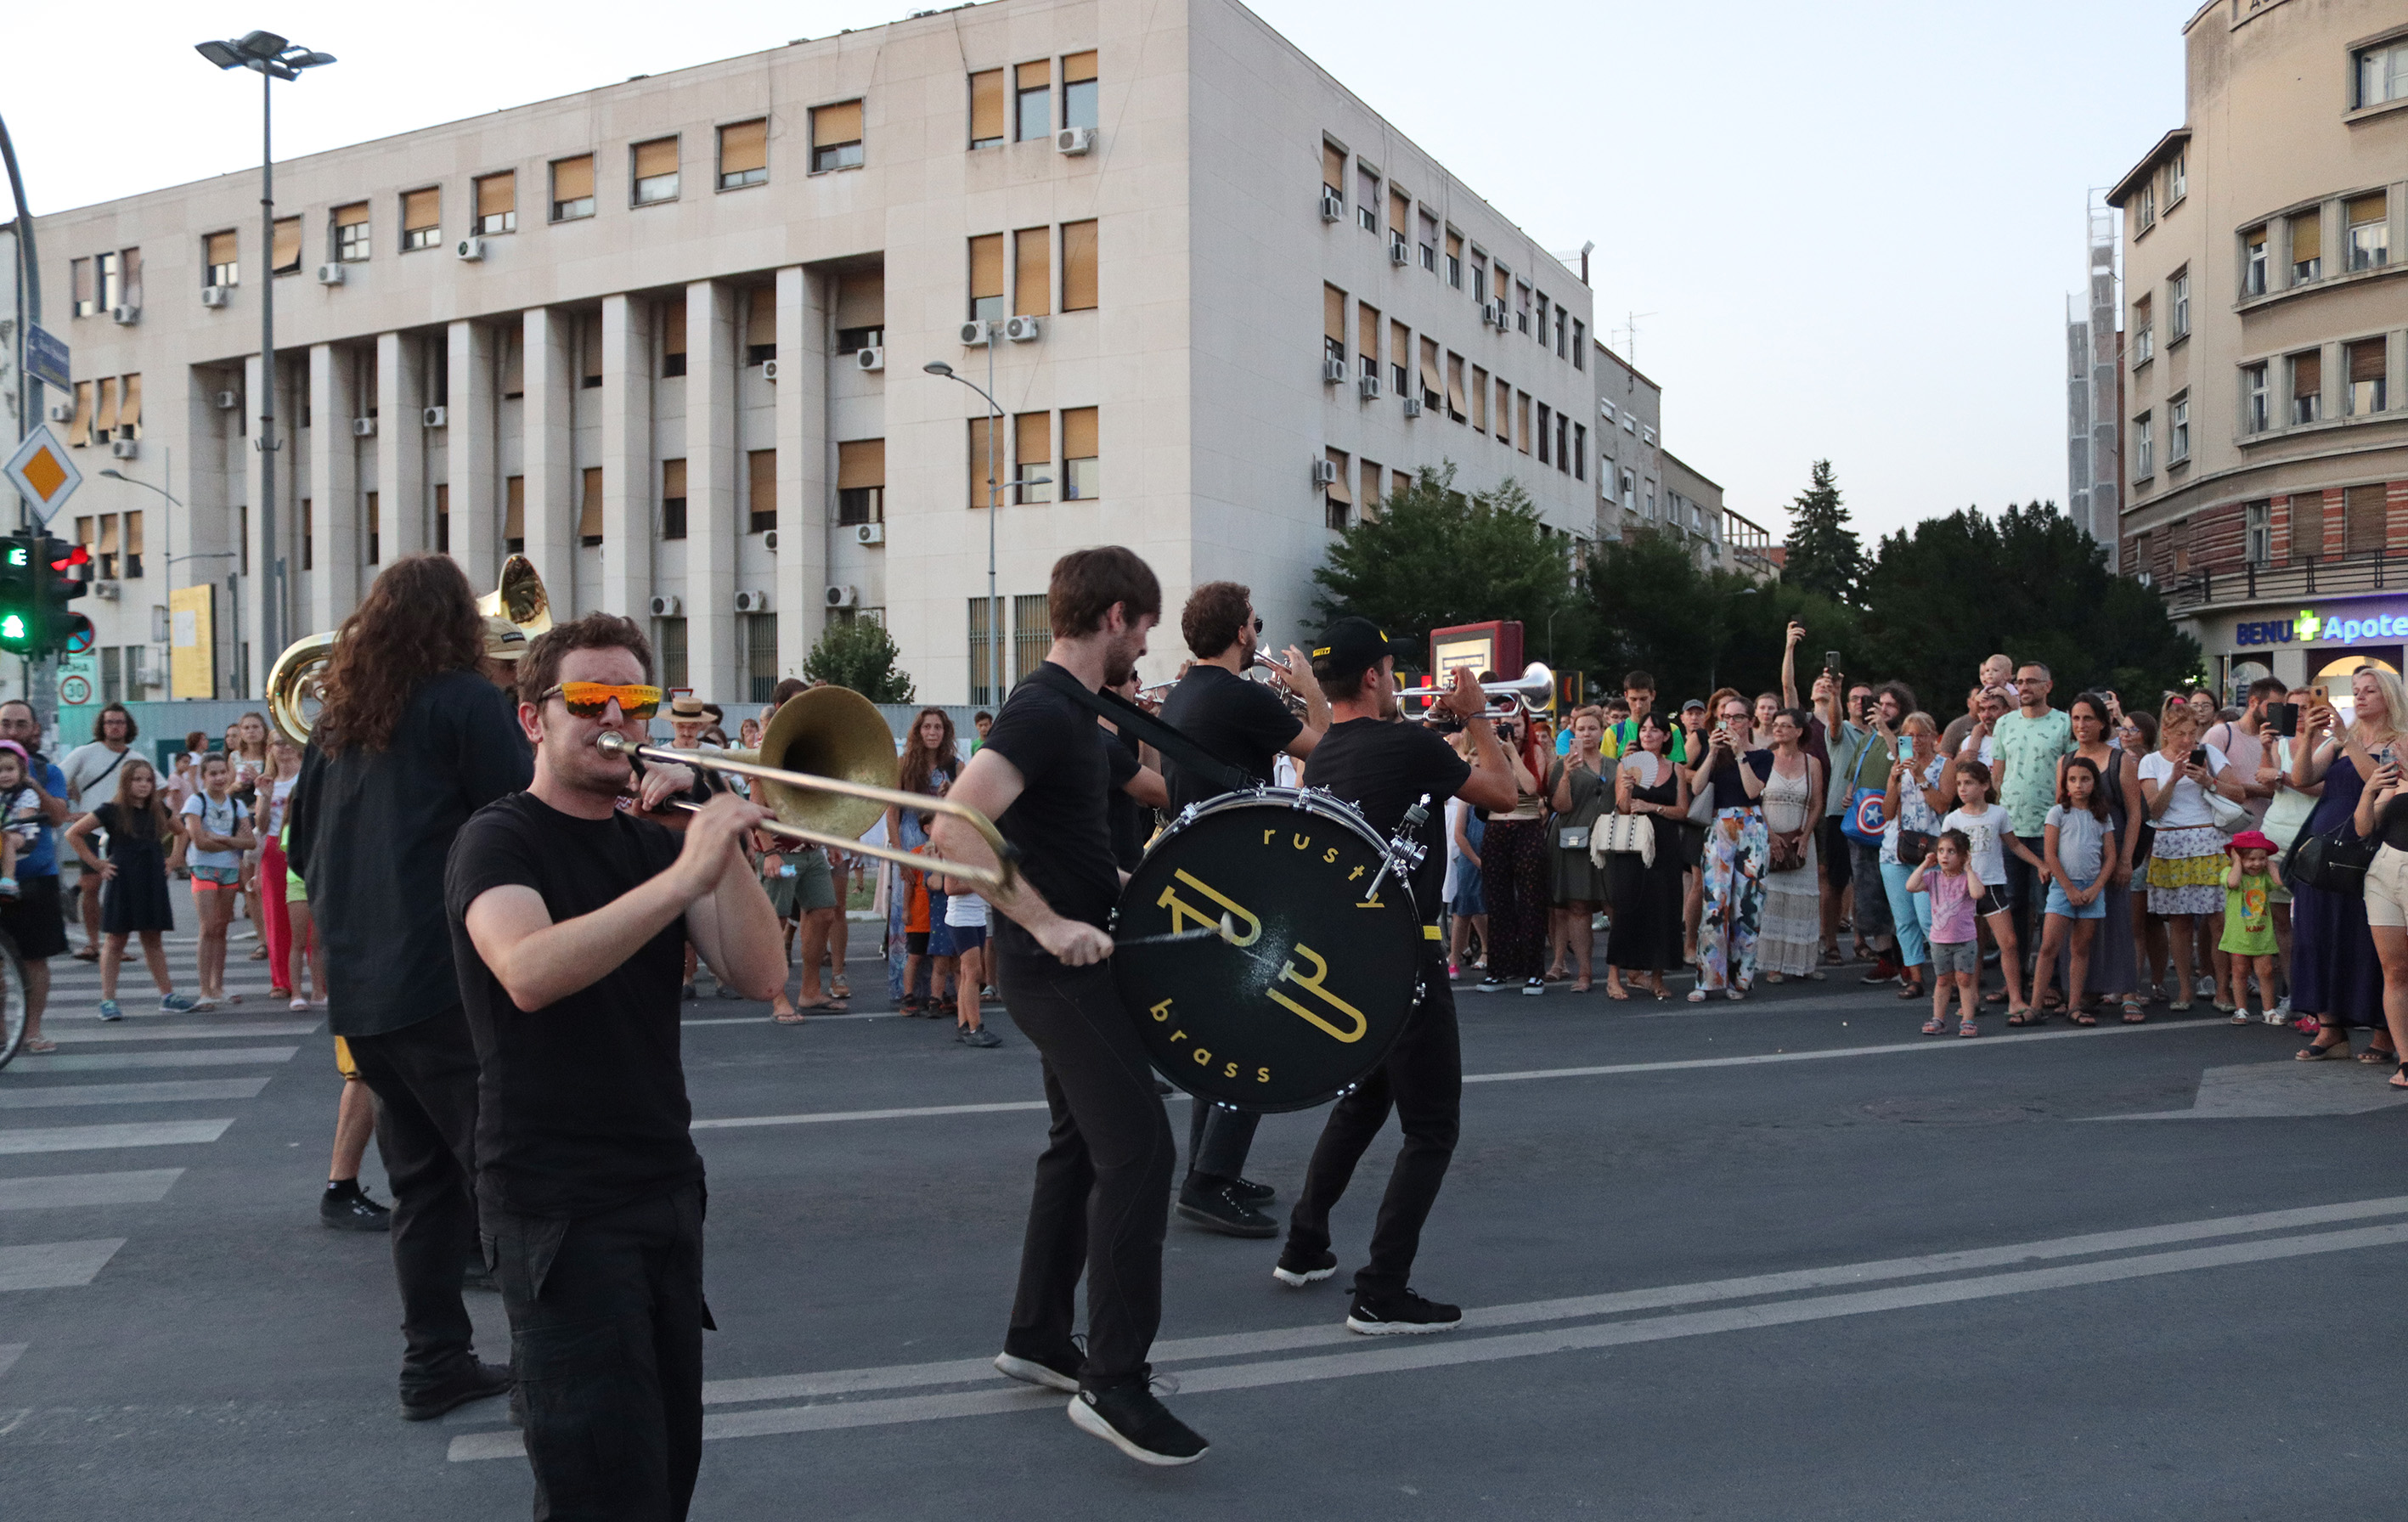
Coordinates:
column 55, row 1265
column 118, row 1031
column 150, row 1133
column 9, row 1354
column 2257, row 1090
column 92, row 1062
column 822, row 1117
column 59, row 1190
column 55, row 1096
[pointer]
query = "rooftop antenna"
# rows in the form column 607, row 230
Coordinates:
column 1629, row 331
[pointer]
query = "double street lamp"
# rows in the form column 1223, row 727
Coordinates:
column 272, row 58
column 994, row 498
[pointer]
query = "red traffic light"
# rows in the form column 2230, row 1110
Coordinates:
column 76, row 556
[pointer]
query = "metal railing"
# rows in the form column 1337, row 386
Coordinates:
column 2300, row 576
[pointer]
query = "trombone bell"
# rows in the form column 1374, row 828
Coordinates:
column 825, row 732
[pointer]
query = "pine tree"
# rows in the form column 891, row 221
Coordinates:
column 1824, row 555
column 859, row 653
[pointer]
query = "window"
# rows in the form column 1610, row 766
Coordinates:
column 1078, row 266
column 986, row 279
column 654, row 168
column 984, row 650
column 351, row 245
column 421, row 219
column 2148, row 205
column 80, row 280
column 860, row 312
column 1433, row 388
column 1401, row 355
column 1333, row 324
column 1366, row 338
column 1429, row 242
column 987, row 470
column 1078, row 90
column 1580, row 344
column 1479, row 400
column 514, row 362
column 514, row 510
column 2307, row 386
column 1580, row 452
column 1032, row 451
column 758, row 633
column 2366, row 383
column 308, row 535
column 2370, row 239
column 861, row 481
column 760, row 325
column 80, row 426
column 1400, row 215
column 761, row 490
column 129, row 412
column 1563, row 331
column 1366, row 197
column 672, row 499
column 2178, row 176
column 589, row 350
column 111, row 291
column 589, row 508
column 986, row 109
column 1369, row 503
column 2258, row 533
column 1032, row 275
column 1522, row 294
column 2178, row 431
column 104, row 418
column 1504, row 412
column 2363, row 520
column 1336, row 497
column 2145, row 334
column 1081, row 480
column 2307, row 524
column 572, row 188
column 107, row 556
column 1522, row 421
column 375, row 534
column 1456, row 406
column 1333, row 171
column 497, row 203
column 669, row 639
column 671, row 326
column 2253, row 262
column 1454, row 259
column 1478, row 278
column 1032, row 98
column 2145, row 446
column 1629, row 492
column 2254, row 405
column 744, row 154
column 2307, row 246
column 220, row 262
column 1032, row 632
column 2383, row 73
column 1546, row 455
column 442, row 519
column 2178, row 304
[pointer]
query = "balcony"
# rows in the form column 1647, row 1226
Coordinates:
column 2288, row 581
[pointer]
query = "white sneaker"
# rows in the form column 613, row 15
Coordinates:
column 2207, row 987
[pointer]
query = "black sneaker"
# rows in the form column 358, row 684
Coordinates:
column 471, row 1380
column 1132, row 1420
column 1217, row 1207
column 981, row 1036
column 1535, row 986
column 1252, row 1193
column 1491, row 985
column 1296, row 1269
column 352, row 1211
column 1401, row 1314
column 1054, row 1372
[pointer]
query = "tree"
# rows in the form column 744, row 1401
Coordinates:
column 1824, row 554
column 1651, row 609
column 859, row 653
column 1434, row 558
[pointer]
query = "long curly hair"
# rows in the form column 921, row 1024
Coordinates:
column 418, row 620
column 919, row 761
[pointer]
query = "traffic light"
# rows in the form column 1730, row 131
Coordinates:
column 21, row 626
column 59, row 570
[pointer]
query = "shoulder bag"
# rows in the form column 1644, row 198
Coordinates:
column 2333, row 862
column 1623, row 835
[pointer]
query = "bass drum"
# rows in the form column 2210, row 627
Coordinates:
column 1302, row 990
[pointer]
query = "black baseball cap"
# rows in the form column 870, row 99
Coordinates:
column 1350, row 645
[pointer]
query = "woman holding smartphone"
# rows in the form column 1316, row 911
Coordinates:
column 2336, row 974
column 1736, row 848
column 2187, row 867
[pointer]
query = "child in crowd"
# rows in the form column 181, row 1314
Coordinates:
column 2078, row 843
column 134, row 898
column 966, row 917
column 218, row 828
column 20, row 815
column 1985, row 826
column 1956, row 949
column 302, row 929
column 2248, row 940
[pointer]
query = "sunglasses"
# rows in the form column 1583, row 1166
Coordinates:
column 587, row 699
column 1259, row 626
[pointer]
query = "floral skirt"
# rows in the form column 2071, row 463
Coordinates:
column 1736, row 850
column 2186, row 871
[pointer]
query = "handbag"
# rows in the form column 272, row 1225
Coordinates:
column 2229, row 815
column 1788, row 851
column 2333, row 862
column 1623, row 835
column 1913, row 845
column 1866, row 817
column 1572, row 837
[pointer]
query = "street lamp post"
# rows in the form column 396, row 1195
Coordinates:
column 272, row 58
column 994, row 495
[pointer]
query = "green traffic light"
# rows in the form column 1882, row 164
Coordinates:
column 12, row 629
column 17, row 554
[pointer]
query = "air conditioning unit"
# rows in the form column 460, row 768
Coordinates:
column 976, row 334
column 434, row 417
column 1074, row 141
column 1367, row 387
column 228, row 401
column 1324, row 472
column 769, row 370
column 364, row 427
column 2144, row 578
column 1400, row 252
column 751, row 602
column 470, row 249
column 216, row 295
column 1333, row 206
column 125, row 316
column 1492, row 314
column 841, row 597
column 668, row 607
column 126, row 449
column 872, row 358
column 330, row 274
column 1022, row 329
column 870, row 533
column 1333, row 369
column 769, row 541
column 61, row 412
column 105, row 591
column 1412, row 407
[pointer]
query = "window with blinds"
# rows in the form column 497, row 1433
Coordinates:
column 514, row 514
column 2253, row 262
column 1400, row 213
column 1454, row 259
column 986, row 109
column 2367, row 391
column 220, row 263
column 421, row 218
column 861, row 481
column 668, row 320
column 1504, row 411
column 1032, row 455
column 497, row 203
column 350, row 225
column 108, row 554
column 986, row 471
column 104, row 412
column 1479, row 399
column 744, row 153
column 1366, row 338
column 760, row 325
column 1369, row 502
column 572, row 188
column 1433, row 383
column 1333, row 323
column 654, row 166
column 442, row 519
column 589, row 508
column 81, row 287
column 2307, row 246
column 589, row 351
column 129, row 412
column 1429, row 242
column 284, row 251
column 861, row 312
column 2308, row 523
column 1032, row 101
column 2307, row 386
column 1456, row 407
column 1336, row 498
column 987, row 278
column 761, row 490
column 1333, row 169
column 1032, row 632
column 1081, row 471
column 672, row 499
column 80, row 426
column 2363, row 519
column 1032, row 272
column 1078, row 90
column 375, row 526
column 1079, row 266
column 1522, row 421
column 1367, row 196
column 513, row 348
column 1545, row 455
column 1401, row 355
column 2370, row 233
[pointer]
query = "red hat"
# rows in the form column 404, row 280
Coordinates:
column 2250, row 840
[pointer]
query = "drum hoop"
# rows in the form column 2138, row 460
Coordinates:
column 1301, row 800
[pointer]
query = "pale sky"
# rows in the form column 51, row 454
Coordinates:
column 1849, row 230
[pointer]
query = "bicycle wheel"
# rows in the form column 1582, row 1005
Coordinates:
column 12, row 999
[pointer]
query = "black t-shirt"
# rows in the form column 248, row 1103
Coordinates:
column 1230, row 719
column 1384, row 769
column 581, row 1105
column 1729, row 791
column 1128, row 815
column 1059, row 823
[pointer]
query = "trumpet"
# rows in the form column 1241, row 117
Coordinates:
column 826, row 769
column 1533, row 687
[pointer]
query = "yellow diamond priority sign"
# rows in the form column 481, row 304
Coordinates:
column 43, row 473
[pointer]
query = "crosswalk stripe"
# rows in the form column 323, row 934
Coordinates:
column 60, row 1096
column 91, row 1062
column 150, row 1133
column 55, row 1265
column 57, row 1191
column 116, row 1031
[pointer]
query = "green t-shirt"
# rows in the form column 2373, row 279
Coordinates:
column 2026, row 751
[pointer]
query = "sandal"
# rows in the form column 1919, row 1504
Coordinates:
column 1934, row 1025
column 2400, row 1079
column 2083, row 1017
column 1697, row 995
column 2374, row 1054
column 1832, row 957
column 2028, row 1016
column 1967, row 1028
column 38, row 1046
column 838, row 987
column 1734, row 995
column 2134, row 1015
column 1996, row 996
column 90, row 954
column 1910, row 990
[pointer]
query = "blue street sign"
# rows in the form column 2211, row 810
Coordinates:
column 46, row 359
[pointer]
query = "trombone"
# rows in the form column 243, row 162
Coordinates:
column 826, row 769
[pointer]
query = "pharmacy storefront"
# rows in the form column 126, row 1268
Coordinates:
column 2322, row 640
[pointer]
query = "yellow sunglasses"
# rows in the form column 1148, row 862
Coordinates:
column 587, row 699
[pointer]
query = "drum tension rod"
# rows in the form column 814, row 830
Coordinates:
column 1403, row 846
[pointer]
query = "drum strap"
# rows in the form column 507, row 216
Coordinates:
column 1191, row 757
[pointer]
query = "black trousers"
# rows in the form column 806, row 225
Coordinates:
column 425, row 1080
column 1422, row 1081
column 1218, row 1141
column 1103, row 1182
column 2028, row 894
column 607, row 1319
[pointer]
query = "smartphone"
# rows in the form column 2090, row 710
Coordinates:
column 2287, row 720
column 1831, row 662
column 1905, row 748
column 2199, row 756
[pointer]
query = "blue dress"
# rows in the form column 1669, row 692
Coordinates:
column 2334, row 971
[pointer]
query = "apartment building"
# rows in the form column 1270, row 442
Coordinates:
column 665, row 338
column 2265, row 340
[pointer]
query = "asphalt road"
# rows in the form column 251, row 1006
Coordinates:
column 1780, row 1259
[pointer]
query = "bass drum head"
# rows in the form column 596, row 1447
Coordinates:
column 1310, row 985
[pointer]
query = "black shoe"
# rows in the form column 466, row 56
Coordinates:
column 1054, row 1372
column 1252, row 1193
column 1296, row 1269
column 1219, row 1209
column 353, row 1211
column 1388, row 1315
column 1491, row 985
column 1132, row 1420
column 470, row 1381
